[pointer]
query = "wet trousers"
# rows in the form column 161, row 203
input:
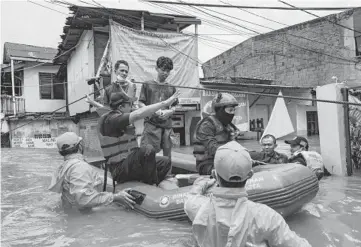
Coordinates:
column 139, row 167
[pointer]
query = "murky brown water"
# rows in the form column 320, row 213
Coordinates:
column 30, row 214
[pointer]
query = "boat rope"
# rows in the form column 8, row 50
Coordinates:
column 258, row 94
column 202, row 89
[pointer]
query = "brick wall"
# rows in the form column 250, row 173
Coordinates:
column 286, row 58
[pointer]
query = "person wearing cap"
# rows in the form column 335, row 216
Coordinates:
column 213, row 131
column 79, row 184
column 158, row 127
column 122, row 84
column 125, row 160
column 226, row 217
column 268, row 155
column 301, row 155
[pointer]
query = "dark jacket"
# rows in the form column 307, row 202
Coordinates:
column 275, row 158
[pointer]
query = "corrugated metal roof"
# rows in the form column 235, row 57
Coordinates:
column 27, row 51
column 86, row 18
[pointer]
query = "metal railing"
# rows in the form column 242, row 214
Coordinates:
column 7, row 105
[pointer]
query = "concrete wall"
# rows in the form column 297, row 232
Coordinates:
column 31, row 94
column 279, row 56
column 80, row 68
column 39, row 133
column 332, row 129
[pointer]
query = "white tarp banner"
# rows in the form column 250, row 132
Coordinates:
column 141, row 50
column 279, row 124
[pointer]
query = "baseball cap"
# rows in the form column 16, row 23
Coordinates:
column 298, row 140
column 233, row 162
column 120, row 97
column 67, row 140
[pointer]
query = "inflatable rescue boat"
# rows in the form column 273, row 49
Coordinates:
column 285, row 188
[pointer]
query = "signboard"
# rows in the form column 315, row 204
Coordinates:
column 26, row 142
column 141, row 50
column 241, row 118
column 189, row 101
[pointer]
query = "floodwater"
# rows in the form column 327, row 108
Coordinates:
column 31, row 216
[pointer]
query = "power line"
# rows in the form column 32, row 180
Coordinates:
column 206, row 89
column 308, row 59
column 165, row 42
column 47, row 7
column 297, row 36
column 212, row 23
column 293, row 35
column 303, row 48
column 268, row 19
column 302, row 9
column 249, row 7
column 300, row 47
column 231, row 23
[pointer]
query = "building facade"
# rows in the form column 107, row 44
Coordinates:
column 305, row 55
column 80, row 52
column 30, row 93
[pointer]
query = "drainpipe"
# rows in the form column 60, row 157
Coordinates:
column 13, row 86
column 344, row 92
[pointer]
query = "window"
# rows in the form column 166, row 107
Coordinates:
column 312, row 123
column 50, row 86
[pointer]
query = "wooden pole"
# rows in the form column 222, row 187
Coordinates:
column 347, row 132
column 13, row 86
column 142, row 22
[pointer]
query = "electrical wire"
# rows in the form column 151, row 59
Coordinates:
column 289, row 34
column 205, row 89
column 335, row 23
column 249, row 7
column 242, row 60
column 274, row 21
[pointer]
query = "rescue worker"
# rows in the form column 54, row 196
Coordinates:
column 227, row 217
column 268, row 154
column 126, row 161
column 79, row 184
column 213, row 131
column 301, row 155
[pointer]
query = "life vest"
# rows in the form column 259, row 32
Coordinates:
column 116, row 149
column 314, row 161
column 222, row 137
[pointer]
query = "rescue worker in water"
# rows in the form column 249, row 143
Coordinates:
column 125, row 160
column 227, row 217
column 78, row 183
column 213, row 131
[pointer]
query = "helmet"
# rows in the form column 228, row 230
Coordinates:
column 67, row 141
column 208, row 109
column 224, row 99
